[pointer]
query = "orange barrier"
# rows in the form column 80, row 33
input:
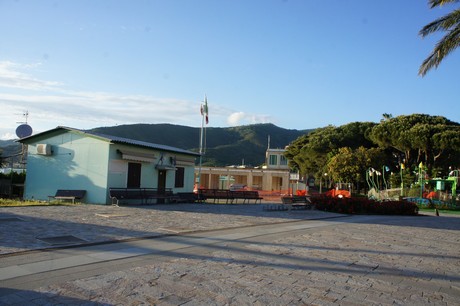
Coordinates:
column 301, row 192
column 338, row 193
column 432, row 195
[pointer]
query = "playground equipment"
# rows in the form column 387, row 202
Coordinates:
column 441, row 191
column 372, row 178
column 444, row 192
column 378, row 187
column 446, row 188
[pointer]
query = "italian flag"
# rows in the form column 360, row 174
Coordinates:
column 204, row 109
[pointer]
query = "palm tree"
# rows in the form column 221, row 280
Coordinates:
column 449, row 23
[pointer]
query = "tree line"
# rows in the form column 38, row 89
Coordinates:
column 396, row 145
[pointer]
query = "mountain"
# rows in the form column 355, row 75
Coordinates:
column 224, row 146
column 6, row 143
column 10, row 148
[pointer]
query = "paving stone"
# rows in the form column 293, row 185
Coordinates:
column 398, row 260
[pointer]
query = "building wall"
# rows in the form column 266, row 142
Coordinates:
column 189, row 177
column 118, row 168
column 88, row 163
column 275, row 176
column 76, row 162
column 275, row 159
column 256, row 179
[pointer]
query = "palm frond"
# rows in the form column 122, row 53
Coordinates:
column 444, row 23
column 435, row 3
column 445, row 46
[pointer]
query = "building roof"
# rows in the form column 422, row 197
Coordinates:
column 111, row 138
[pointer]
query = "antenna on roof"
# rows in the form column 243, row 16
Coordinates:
column 24, row 130
column 268, row 142
column 25, row 114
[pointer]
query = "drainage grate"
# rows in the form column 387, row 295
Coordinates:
column 111, row 215
column 10, row 219
column 58, row 240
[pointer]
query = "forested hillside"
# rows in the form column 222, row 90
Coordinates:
column 224, row 146
column 10, row 148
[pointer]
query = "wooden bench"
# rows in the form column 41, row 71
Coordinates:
column 298, row 202
column 247, row 195
column 67, row 194
column 188, row 197
column 144, row 195
column 216, row 194
column 160, row 195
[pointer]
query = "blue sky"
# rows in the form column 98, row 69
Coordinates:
column 298, row 64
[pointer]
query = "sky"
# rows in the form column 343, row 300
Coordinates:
column 298, row 64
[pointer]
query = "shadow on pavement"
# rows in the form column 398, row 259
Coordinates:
column 10, row 296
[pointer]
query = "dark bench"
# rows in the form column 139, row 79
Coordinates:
column 216, row 194
column 144, row 195
column 247, row 195
column 160, row 195
column 297, row 202
column 188, row 197
column 67, row 194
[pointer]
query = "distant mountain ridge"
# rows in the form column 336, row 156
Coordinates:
column 224, row 146
column 10, row 148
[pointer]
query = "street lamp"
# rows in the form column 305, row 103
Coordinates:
column 377, row 173
column 320, row 183
column 402, row 180
column 420, row 176
column 385, row 169
column 370, row 178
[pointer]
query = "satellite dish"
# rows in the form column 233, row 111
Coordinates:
column 23, row 130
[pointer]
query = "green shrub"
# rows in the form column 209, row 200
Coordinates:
column 14, row 202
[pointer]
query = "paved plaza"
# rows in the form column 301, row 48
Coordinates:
column 336, row 260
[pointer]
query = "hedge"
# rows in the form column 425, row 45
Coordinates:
column 364, row 206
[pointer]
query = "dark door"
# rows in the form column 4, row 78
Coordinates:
column 161, row 184
column 134, row 175
column 161, row 181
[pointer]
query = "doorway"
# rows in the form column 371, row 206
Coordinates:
column 161, row 184
column 134, row 175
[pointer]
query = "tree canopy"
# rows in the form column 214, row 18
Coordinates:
column 421, row 138
column 310, row 153
column 345, row 152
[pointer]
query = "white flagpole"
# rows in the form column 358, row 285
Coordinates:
column 203, row 114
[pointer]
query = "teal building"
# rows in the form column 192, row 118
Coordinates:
column 73, row 159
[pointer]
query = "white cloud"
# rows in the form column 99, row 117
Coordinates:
column 241, row 118
column 50, row 104
column 236, row 118
column 12, row 77
column 7, row 136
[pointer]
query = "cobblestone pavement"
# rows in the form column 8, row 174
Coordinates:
column 385, row 260
column 22, row 227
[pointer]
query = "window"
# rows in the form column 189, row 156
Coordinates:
column 180, row 176
column 134, row 175
column 273, row 160
column 283, row 160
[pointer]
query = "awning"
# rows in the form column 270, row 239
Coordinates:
column 185, row 161
column 137, row 156
column 165, row 167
